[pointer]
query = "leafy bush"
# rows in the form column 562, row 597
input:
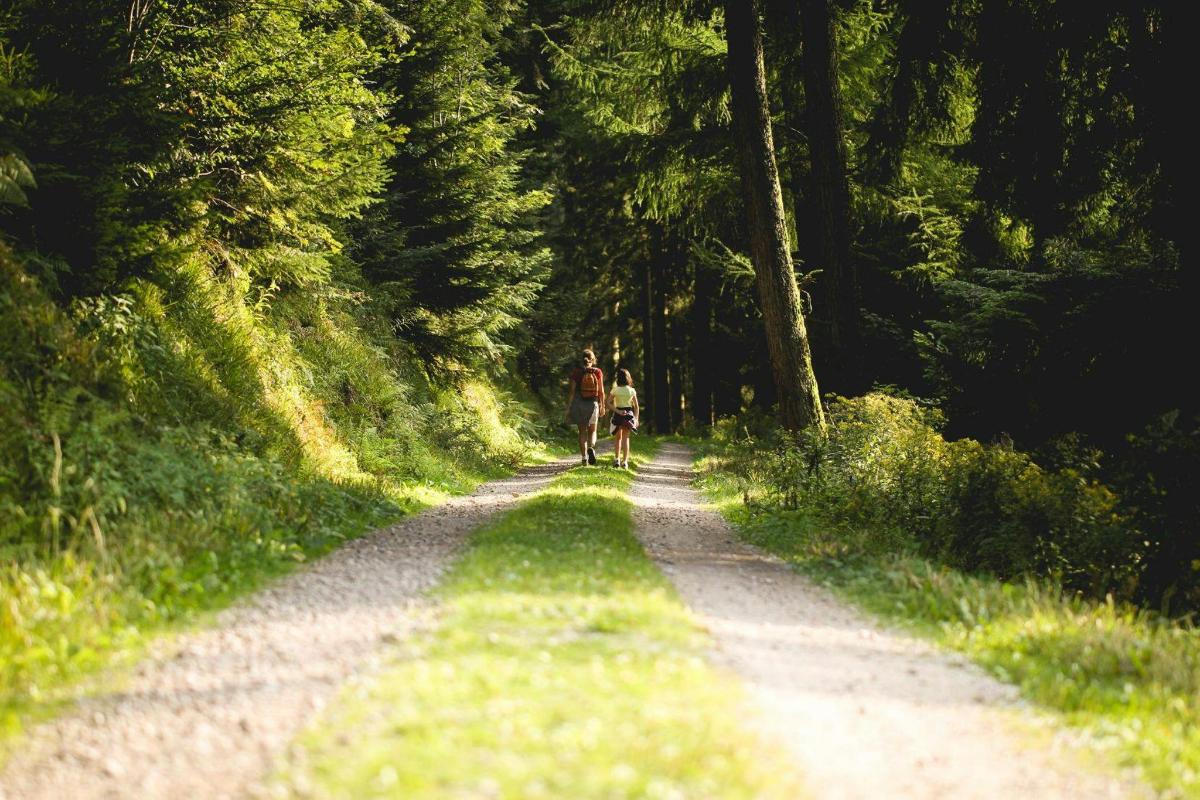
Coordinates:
column 887, row 479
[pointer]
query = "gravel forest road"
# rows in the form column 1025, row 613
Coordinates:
column 866, row 712
column 206, row 714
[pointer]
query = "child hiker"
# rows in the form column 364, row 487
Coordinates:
column 624, row 404
column 584, row 403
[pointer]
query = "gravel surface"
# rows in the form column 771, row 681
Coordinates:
column 867, row 712
column 207, row 713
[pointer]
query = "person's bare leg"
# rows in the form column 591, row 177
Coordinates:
column 592, row 436
column 583, row 440
column 628, row 442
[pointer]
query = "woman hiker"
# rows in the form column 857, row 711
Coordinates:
column 624, row 404
column 584, row 404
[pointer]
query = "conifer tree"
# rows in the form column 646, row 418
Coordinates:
column 454, row 244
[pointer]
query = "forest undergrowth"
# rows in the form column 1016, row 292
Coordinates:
column 1028, row 572
column 158, row 461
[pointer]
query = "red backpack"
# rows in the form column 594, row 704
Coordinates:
column 589, row 383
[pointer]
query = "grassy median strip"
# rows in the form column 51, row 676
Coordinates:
column 563, row 665
column 1129, row 680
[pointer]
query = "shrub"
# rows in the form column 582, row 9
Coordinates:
column 885, row 477
column 1004, row 514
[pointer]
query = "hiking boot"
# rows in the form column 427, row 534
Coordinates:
column 591, row 459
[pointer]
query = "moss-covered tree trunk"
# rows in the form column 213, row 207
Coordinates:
column 646, row 385
column 787, row 338
column 662, row 391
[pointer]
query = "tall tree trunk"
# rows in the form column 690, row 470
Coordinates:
column 829, row 192
column 821, row 193
column 676, row 381
column 677, row 336
column 783, row 20
column 616, row 338
column 787, row 338
column 646, row 393
column 677, row 345
column 662, row 392
column 701, row 345
column 727, row 378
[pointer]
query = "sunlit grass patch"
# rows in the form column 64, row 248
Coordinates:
column 563, row 665
column 66, row 617
column 1128, row 679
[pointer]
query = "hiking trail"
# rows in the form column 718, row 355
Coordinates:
column 864, row 711
column 206, row 714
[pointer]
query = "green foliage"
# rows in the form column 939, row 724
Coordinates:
column 280, row 137
column 199, row 387
column 1026, row 341
column 886, row 478
column 238, row 135
column 936, row 236
column 562, row 664
column 1157, row 479
column 652, row 89
column 454, row 246
column 15, row 177
column 636, row 139
column 16, row 97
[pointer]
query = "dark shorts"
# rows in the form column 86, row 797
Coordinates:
column 585, row 410
column 622, row 419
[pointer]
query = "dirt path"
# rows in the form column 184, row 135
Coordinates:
column 207, row 713
column 867, row 713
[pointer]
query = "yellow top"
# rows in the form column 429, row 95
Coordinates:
column 623, row 396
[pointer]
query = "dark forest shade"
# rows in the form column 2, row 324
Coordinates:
column 807, row 52
column 649, row 391
column 829, row 197
column 703, row 365
column 659, row 260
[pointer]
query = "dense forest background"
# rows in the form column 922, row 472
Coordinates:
column 982, row 206
column 267, row 267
